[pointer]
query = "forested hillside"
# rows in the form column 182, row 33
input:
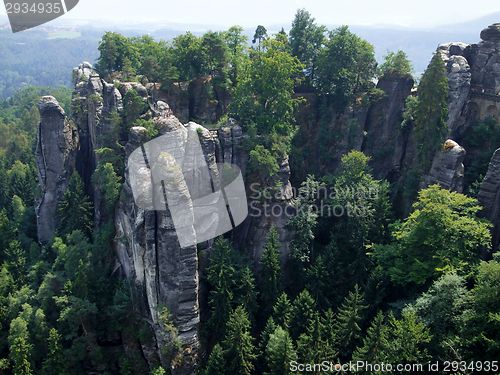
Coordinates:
column 375, row 263
column 34, row 58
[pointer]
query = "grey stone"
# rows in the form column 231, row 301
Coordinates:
column 57, row 143
column 491, row 33
column 489, row 197
column 447, row 168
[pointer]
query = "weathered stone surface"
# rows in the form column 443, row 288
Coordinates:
column 459, row 80
column 384, row 141
column 149, row 253
column 491, row 33
column 447, row 168
column 489, row 197
column 82, row 72
column 57, row 142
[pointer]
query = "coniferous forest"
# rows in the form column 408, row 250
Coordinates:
column 407, row 274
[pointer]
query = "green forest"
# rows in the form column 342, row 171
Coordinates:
column 382, row 283
column 33, row 58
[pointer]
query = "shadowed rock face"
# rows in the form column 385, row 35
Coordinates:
column 489, row 197
column 57, row 142
column 383, row 132
column 491, row 33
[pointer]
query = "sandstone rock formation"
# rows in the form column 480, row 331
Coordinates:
column 489, row 197
column 447, row 168
column 491, row 33
column 385, row 142
column 57, row 143
column 146, row 246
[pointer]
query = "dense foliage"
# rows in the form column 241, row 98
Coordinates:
column 356, row 285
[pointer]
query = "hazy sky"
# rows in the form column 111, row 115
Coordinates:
column 250, row 13
column 269, row 12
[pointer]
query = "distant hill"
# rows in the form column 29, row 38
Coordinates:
column 45, row 56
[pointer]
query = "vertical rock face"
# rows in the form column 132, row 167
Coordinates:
column 149, row 253
column 459, row 80
column 57, row 143
column 489, row 197
column 447, row 168
column 384, row 139
column 147, row 248
column 474, row 78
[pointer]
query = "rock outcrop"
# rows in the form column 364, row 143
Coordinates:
column 147, row 247
column 491, row 33
column 385, row 142
column 57, row 144
column 459, row 80
column 474, row 79
column 149, row 253
column 489, row 197
column 447, row 168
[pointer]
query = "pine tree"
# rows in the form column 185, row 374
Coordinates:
column 348, row 320
column 282, row 311
column 238, row 341
column 302, row 314
column 375, row 344
column 75, row 209
column 55, row 362
column 270, row 272
column 221, row 277
column 216, row 364
column 280, row 352
column 431, row 111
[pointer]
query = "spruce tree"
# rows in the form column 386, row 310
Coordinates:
column 264, row 339
column 280, row 352
column 314, row 346
column 282, row 311
column 375, row 344
column 431, row 111
column 302, row 314
column 348, row 320
column 247, row 293
column 318, row 278
column 16, row 262
column 19, row 352
column 239, row 352
column 75, row 209
column 55, row 362
column 270, row 272
column 221, row 277
column 216, row 364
